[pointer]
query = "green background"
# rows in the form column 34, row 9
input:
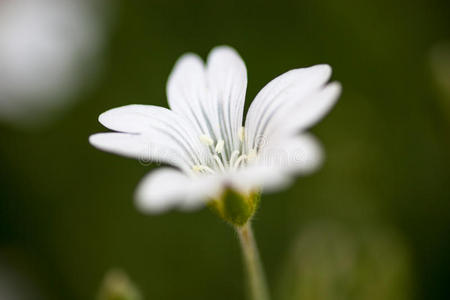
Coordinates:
column 66, row 209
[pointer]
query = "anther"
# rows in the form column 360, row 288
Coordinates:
column 234, row 155
column 202, row 168
column 197, row 168
column 251, row 155
column 239, row 160
column 219, row 163
column 206, row 140
column 241, row 133
column 219, row 146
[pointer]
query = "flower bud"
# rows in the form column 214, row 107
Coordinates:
column 117, row 286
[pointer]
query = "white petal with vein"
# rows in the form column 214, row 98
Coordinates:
column 291, row 87
column 139, row 147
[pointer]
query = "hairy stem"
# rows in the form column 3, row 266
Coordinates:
column 255, row 273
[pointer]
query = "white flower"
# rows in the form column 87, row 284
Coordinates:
column 47, row 50
column 203, row 136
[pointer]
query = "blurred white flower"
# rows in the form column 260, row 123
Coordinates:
column 202, row 133
column 46, row 53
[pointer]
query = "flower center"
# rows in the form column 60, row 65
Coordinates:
column 219, row 158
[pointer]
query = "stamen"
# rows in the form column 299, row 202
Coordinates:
column 202, row 168
column 220, row 163
column 241, row 133
column 219, row 146
column 239, row 160
column 206, row 140
column 251, row 155
column 234, row 155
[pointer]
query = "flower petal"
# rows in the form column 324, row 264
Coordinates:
column 291, row 87
column 300, row 154
column 211, row 97
column 187, row 92
column 167, row 188
column 139, row 146
column 299, row 116
column 277, row 163
column 160, row 125
column 257, row 177
column 227, row 82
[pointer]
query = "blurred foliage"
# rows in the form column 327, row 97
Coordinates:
column 71, row 206
column 331, row 262
column 117, row 286
column 21, row 276
column 440, row 68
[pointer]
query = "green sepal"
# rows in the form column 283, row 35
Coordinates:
column 234, row 207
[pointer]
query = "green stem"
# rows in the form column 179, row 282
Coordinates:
column 255, row 273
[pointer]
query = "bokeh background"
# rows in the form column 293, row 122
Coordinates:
column 373, row 223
